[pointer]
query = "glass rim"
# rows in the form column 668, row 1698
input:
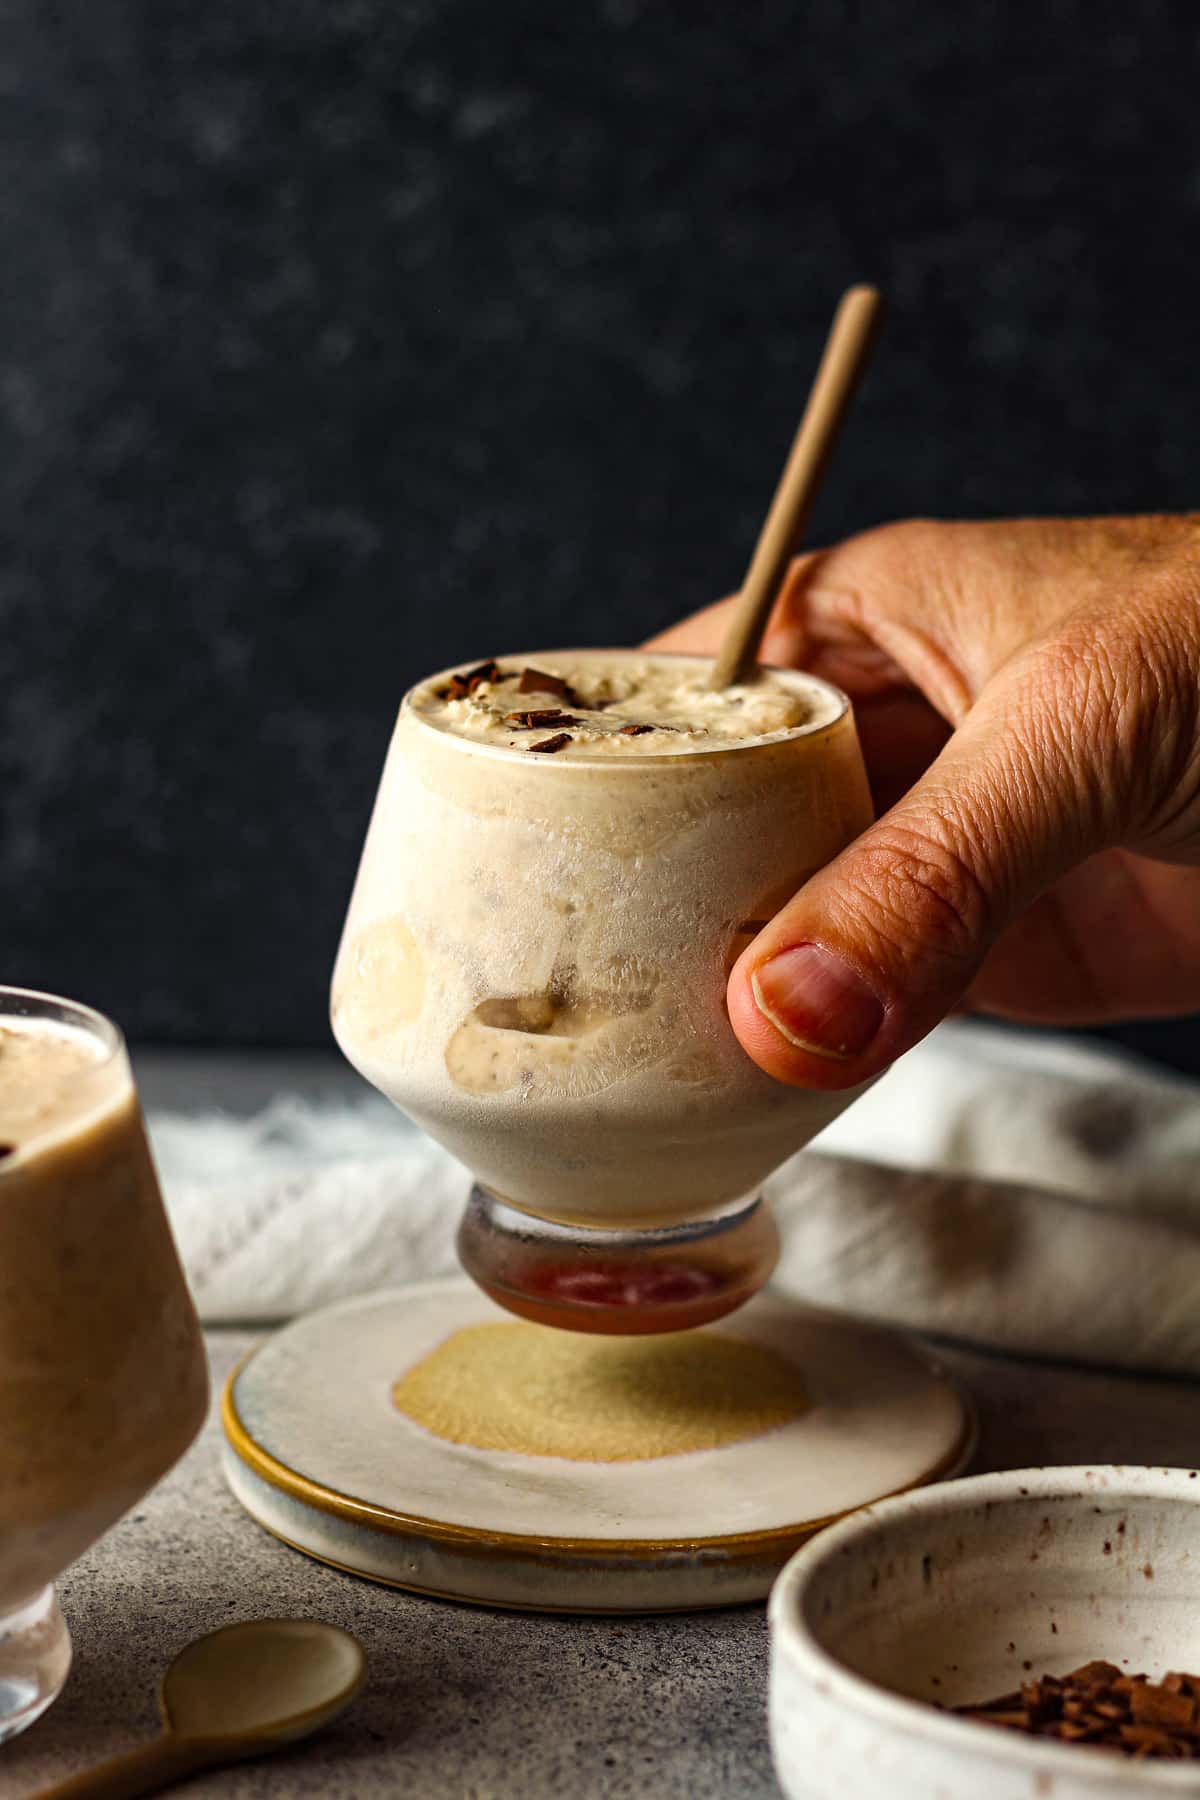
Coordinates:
column 35, row 1003
column 793, row 734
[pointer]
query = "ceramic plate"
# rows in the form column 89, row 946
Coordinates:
column 318, row 1453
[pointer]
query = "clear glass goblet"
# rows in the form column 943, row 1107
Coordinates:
column 533, row 968
column 103, row 1376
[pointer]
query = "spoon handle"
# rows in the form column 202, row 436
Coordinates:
column 143, row 1771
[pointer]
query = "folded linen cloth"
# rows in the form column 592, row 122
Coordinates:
column 1006, row 1188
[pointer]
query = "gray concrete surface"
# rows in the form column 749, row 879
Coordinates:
column 485, row 1705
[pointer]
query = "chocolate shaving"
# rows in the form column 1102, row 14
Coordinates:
column 536, row 681
column 7, row 1150
column 1097, row 1705
column 552, row 743
column 634, row 730
column 1153, row 1705
column 460, row 686
column 530, row 721
column 1094, row 1674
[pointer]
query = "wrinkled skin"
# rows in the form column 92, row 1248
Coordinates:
column 1028, row 697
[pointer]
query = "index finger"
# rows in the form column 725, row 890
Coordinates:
column 701, row 633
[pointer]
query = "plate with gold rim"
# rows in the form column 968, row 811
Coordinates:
column 422, row 1437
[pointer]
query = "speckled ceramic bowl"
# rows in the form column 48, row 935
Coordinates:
column 957, row 1593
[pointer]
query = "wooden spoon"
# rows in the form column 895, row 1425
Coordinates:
column 239, row 1692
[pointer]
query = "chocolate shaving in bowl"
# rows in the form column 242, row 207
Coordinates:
column 537, row 681
column 7, row 1150
column 1098, row 1705
column 634, row 730
column 551, row 744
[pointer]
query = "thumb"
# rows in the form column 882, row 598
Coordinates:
column 881, row 944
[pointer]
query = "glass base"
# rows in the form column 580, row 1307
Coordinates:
column 619, row 1283
column 35, row 1655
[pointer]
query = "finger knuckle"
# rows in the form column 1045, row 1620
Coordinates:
column 1117, row 692
column 926, row 887
column 905, row 545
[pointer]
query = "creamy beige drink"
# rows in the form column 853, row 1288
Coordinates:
column 627, row 705
column 103, row 1380
column 568, row 851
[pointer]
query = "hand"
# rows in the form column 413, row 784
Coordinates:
column 1028, row 698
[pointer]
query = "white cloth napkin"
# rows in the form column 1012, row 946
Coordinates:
column 1005, row 1188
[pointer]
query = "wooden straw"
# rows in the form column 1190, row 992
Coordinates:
column 845, row 357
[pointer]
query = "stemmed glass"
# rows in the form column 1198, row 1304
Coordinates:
column 533, row 968
column 103, row 1377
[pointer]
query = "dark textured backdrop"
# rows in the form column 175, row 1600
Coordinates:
column 340, row 339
